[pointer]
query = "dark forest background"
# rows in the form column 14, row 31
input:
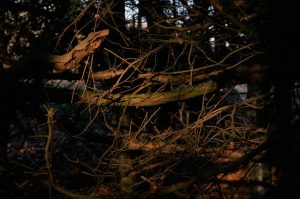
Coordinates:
column 149, row 99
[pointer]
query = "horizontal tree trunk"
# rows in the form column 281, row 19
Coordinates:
column 149, row 99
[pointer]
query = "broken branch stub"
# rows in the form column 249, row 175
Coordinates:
column 70, row 60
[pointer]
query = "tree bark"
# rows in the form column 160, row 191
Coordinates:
column 150, row 99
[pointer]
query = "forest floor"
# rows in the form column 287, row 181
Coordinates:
column 26, row 176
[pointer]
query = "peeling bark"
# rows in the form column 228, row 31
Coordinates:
column 71, row 59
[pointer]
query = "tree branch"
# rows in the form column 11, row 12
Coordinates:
column 71, row 59
column 150, row 99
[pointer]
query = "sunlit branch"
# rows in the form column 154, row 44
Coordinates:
column 150, row 99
